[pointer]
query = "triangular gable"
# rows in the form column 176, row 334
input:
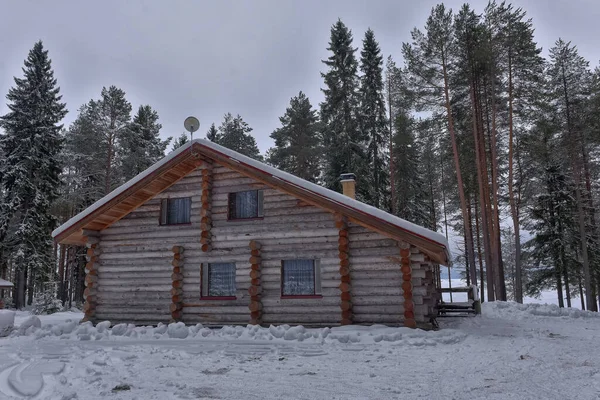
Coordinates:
column 184, row 160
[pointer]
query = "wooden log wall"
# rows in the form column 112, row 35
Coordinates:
column 136, row 272
column 289, row 230
column 90, row 294
column 376, row 278
column 177, row 284
column 426, row 295
column 255, row 289
column 135, row 269
column 407, row 286
column 345, row 281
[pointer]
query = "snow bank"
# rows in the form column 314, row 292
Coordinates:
column 7, row 321
column 512, row 310
column 282, row 333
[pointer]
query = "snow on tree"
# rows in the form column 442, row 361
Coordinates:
column 344, row 143
column 234, row 133
column 373, row 122
column 141, row 144
column 30, row 171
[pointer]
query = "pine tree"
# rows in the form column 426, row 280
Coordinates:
column 297, row 143
column 430, row 67
column 30, row 171
column 343, row 142
column 569, row 83
column 212, row 133
column 141, row 144
column 373, row 122
column 111, row 117
column 180, row 141
column 234, row 133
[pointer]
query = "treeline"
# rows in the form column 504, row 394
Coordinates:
column 474, row 133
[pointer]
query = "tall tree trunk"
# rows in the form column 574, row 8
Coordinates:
column 461, row 190
column 497, row 255
column 392, row 164
column 480, row 256
column 581, row 294
column 514, row 212
column 576, row 165
column 591, row 208
column 109, row 158
column 30, row 286
column 482, row 195
column 19, row 292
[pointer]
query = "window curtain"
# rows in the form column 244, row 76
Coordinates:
column 221, row 279
column 179, row 211
column 298, row 277
column 246, row 204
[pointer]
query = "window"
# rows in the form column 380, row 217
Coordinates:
column 175, row 211
column 244, row 205
column 300, row 278
column 218, row 280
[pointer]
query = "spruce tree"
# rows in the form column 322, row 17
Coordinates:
column 212, row 133
column 412, row 199
column 30, row 170
column 180, row 141
column 141, row 144
column 297, row 143
column 234, row 133
column 373, row 122
column 345, row 145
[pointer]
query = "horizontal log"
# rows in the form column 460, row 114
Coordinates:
column 344, row 287
column 302, row 319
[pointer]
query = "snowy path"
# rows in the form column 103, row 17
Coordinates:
column 512, row 352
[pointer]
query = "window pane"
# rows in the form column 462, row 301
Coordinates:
column 298, row 277
column 221, row 279
column 178, row 211
column 244, row 204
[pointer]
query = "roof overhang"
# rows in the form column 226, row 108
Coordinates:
column 184, row 160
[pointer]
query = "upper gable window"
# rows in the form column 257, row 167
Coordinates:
column 245, row 205
column 175, row 211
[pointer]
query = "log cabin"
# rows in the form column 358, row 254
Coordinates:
column 210, row 236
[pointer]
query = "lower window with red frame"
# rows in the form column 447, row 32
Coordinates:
column 218, row 281
column 300, row 278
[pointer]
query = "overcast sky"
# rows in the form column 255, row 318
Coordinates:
column 206, row 58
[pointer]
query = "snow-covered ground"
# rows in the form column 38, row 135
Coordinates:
column 510, row 352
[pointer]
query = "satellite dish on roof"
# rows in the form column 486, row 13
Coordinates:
column 191, row 124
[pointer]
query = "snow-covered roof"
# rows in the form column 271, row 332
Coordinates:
column 210, row 148
column 5, row 284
